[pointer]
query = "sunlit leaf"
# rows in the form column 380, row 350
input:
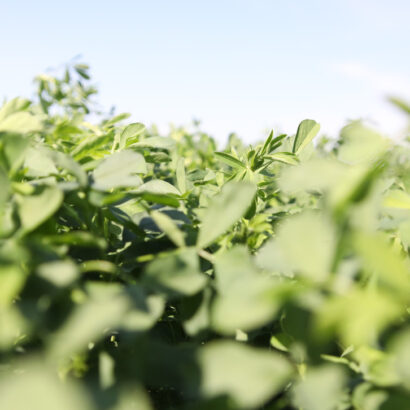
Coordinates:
column 379, row 258
column 119, row 170
column 12, row 280
column 307, row 130
column 397, row 199
column 245, row 295
column 307, row 243
column 59, row 273
column 15, row 105
column 322, row 389
column 36, row 209
column 13, row 327
column 250, row 376
column 359, row 316
column 361, row 144
column 156, row 142
column 20, row 123
column 35, row 386
column 159, row 187
column 285, row 157
column 226, row 208
column 131, row 134
column 230, row 160
column 181, row 176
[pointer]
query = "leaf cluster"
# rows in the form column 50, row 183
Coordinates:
column 139, row 271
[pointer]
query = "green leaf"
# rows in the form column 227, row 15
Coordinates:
column 88, row 323
column 156, row 142
column 76, row 238
column 353, row 187
column 175, row 273
column 307, row 243
column 20, row 123
column 131, row 134
column 400, row 103
column 159, row 187
column 226, row 208
column 117, row 118
column 168, row 200
column 106, row 365
column 195, row 312
column 275, row 143
column 358, row 316
column 267, row 144
column 160, row 192
column 247, row 305
column 248, row 375
column 244, row 299
column 89, row 145
column 59, row 273
column 361, row 144
column 168, row 226
column 230, row 160
column 12, row 280
column 397, row 199
column 82, row 70
column 233, row 266
column 404, row 232
column 315, row 175
column 99, row 266
column 14, row 326
column 307, row 130
column 36, row 209
column 146, row 311
column 5, row 183
column 15, row 149
column 119, row 170
column 38, row 163
column 132, row 397
column 145, row 267
column 181, row 176
column 285, row 157
column 280, row 342
column 69, row 164
column 400, row 348
column 34, row 385
column 367, row 397
column 322, row 389
column 271, row 257
column 13, row 106
column 381, row 259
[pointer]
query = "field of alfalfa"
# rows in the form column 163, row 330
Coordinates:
column 146, row 272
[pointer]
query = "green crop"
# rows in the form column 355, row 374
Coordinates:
column 140, row 271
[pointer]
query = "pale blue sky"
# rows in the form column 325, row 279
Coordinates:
column 237, row 65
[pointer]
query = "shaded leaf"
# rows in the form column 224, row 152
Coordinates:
column 176, row 273
column 167, row 225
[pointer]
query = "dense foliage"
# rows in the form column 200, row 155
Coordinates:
column 140, row 271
